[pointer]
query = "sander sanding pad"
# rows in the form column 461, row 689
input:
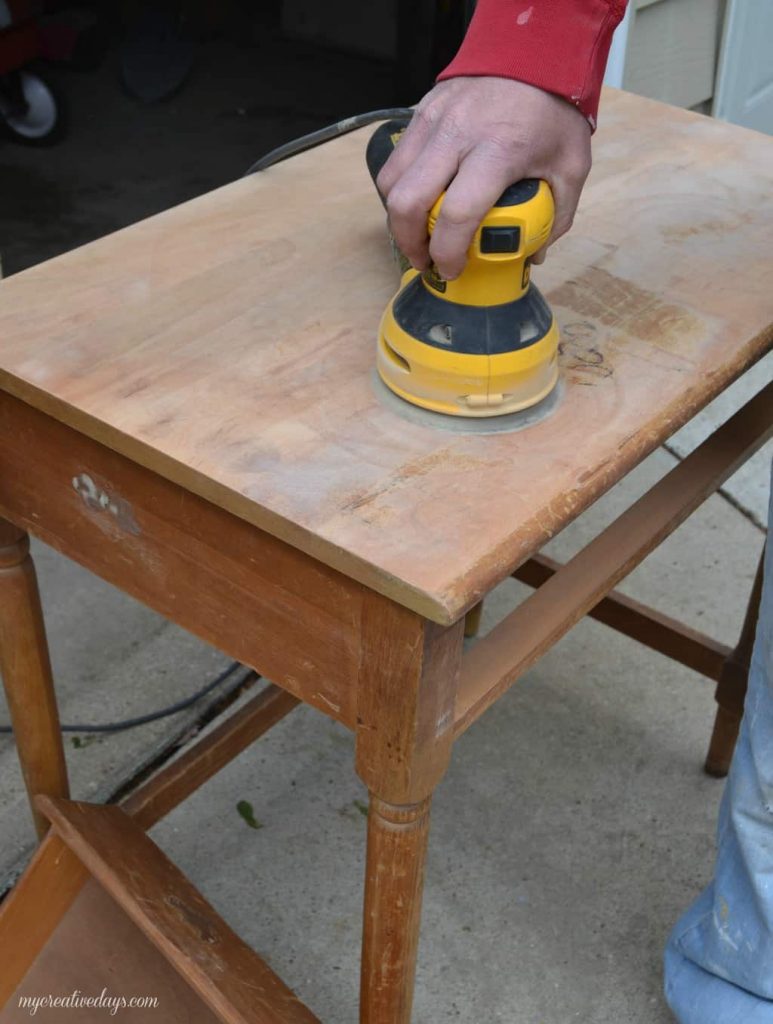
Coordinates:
column 506, row 424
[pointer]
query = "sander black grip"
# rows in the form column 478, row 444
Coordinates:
column 381, row 145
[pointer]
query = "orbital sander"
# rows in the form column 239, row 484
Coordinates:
column 486, row 343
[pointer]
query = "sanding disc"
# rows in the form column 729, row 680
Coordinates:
column 506, row 424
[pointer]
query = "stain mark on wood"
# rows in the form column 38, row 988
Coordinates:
column 99, row 500
column 615, row 302
column 205, row 929
column 446, row 459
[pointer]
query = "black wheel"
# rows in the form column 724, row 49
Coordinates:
column 30, row 111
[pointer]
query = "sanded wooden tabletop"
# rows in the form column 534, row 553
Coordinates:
column 229, row 345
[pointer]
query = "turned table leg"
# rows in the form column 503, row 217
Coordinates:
column 394, row 882
column 731, row 688
column 407, row 689
column 26, row 672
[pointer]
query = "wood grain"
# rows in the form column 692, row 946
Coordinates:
column 229, row 345
column 732, row 685
column 409, row 672
column 405, row 718
column 112, row 955
column 34, row 909
column 43, row 895
column 26, row 672
column 232, row 980
column 260, row 600
column 647, row 625
column 394, row 883
column 524, row 635
column 176, row 781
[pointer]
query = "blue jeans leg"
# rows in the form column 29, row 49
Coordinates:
column 719, row 958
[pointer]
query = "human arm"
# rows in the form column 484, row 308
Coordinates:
column 519, row 100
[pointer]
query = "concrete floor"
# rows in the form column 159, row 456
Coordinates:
column 575, row 822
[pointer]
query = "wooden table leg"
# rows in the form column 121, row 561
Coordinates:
column 731, row 688
column 26, row 672
column 407, row 690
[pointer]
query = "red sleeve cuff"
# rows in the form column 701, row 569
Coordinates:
column 560, row 46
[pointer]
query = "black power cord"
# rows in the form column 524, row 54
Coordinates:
column 152, row 716
column 332, row 131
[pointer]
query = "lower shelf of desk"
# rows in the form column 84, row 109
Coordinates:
column 100, row 907
column 96, row 948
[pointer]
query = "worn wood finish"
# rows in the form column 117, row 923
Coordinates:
column 164, row 905
column 26, row 671
column 724, row 736
column 394, row 882
column 175, row 782
column 263, row 602
column 732, row 684
column 525, row 634
column 215, row 345
column 112, row 955
column 55, row 876
column 198, row 393
column 405, row 717
column 34, row 908
column 409, row 670
column 650, row 627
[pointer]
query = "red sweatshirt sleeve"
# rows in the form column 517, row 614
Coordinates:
column 560, row 46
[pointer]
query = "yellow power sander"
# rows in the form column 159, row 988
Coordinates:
column 485, row 344
column 481, row 352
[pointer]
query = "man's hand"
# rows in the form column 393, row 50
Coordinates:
column 474, row 137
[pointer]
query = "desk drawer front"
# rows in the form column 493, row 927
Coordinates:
column 247, row 593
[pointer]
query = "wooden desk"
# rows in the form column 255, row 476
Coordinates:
column 187, row 408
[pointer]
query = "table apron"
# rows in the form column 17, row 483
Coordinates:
column 258, row 599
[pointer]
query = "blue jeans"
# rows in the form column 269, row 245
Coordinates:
column 719, row 958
